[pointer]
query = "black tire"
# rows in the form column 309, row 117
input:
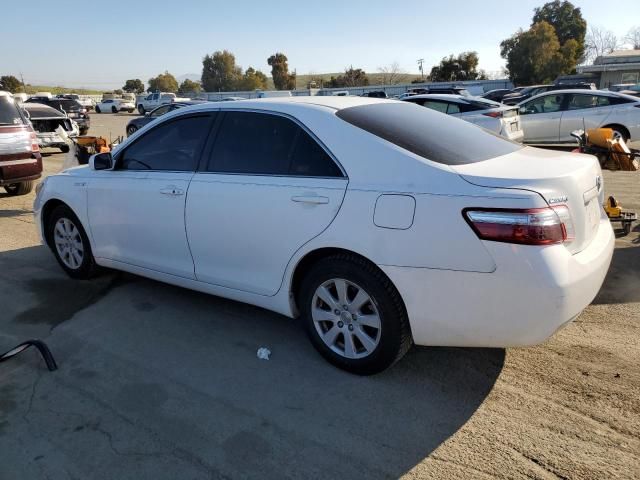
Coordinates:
column 131, row 129
column 98, row 109
column 141, row 110
column 83, row 131
column 394, row 337
column 114, row 110
column 131, row 110
column 64, row 148
column 87, row 267
column 21, row 188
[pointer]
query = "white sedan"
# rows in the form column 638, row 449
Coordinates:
column 501, row 119
column 380, row 223
column 550, row 118
column 115, row 105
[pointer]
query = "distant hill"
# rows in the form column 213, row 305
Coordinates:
column 31, row 89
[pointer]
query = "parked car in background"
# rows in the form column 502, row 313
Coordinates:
column 619, row 87
column 225, row 99
column 115, row 105
column 497, row 94
column 46, row 121
column 525, row 93
column 375, row 94
column 85, row 101
column 20, row 160
column 464, row 243
column 529, row 92
column 440, row 90
column 550, row 118
column 633, row 90
column 501, row 119
column 70, row 107
column 20, row 97
column 274, row 94
column 153, row 100
column 139, row 122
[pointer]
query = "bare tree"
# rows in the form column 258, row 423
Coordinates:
column 392, row 74
column 599, row 42
column 633, row 37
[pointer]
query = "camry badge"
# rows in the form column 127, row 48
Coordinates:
column 561, row 199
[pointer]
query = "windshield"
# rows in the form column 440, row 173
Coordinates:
column 65, row 104
column 425, row 132
column 9, row 112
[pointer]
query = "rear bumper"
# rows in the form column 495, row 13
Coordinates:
column 20, row 170
column 533, row 292
column 517, row 136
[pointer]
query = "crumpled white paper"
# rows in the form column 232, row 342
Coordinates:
column 264, row 353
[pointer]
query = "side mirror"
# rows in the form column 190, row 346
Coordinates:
column 522, row 110
column 147, row 114
column 101, row 161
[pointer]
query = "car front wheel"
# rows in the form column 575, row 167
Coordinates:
column 131, row 129
column 70, row 243
column 97, row 109
column 141, row 110
column 114, row 110
column 354, row 315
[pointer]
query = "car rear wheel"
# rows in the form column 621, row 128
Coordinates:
column 83, row 131
column 64, row 148
column 141, row 110
column 21, row 188
column 131, row 129
column 620, row 134
column 98, row 109
column 114, row 110
column 354, row 315
column 70, row 244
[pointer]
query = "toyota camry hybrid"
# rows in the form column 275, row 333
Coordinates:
column 379, row 223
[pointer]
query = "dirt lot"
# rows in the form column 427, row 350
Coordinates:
column 160, row 382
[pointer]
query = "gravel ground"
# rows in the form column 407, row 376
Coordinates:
column 159, row 382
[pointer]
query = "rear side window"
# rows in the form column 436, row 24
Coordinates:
column 9, row 112
column 264, row 144
column 442, row 139
column 171, row 146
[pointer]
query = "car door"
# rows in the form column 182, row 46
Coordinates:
column 136, row 211
column 266, row 188
column 541, row 118
column 584, row 111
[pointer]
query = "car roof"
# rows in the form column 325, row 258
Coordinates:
column 443, row 96
column 601, row 93
column 330, row 102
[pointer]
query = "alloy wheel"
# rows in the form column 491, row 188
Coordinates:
column 346, row 318
column 68, row 243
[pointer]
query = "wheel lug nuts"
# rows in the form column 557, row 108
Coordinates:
column 350, row 327
column 336, row 311
column 354, row 317
column 340, row 324
column 344, row 307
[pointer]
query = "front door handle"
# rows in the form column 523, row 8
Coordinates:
column 312, row 199
column 172, row 190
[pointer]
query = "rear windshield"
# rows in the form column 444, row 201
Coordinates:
column 484, row 104
column 9, row 112
column 430, row 134
column 65, row 104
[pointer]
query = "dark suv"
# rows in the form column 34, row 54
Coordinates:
column 20, row 160
column 74, row 110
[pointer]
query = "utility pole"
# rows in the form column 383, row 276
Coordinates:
column 24, row 89
column 420, row 62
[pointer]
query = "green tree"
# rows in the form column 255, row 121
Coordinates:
column 253, row 80
column 165, row 82
column 462, row 67
column 567, row 21
column 189, row 86
column 133, row 85
column 536, row 55
column 10, row 83
column 352, row 77
column 282, row 79
column 220, row 73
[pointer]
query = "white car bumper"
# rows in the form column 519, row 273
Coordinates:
column 533, row 292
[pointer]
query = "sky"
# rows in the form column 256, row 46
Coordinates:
column 74, row 44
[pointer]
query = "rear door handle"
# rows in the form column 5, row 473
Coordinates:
column 312, row 199
column 172, row 190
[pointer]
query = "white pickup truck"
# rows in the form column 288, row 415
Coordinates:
column 153, row 100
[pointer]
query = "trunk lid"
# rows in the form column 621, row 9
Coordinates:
column 561, row 178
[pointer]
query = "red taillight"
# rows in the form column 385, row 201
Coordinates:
column 537, row 226
column 34, row 142
column 493, row 114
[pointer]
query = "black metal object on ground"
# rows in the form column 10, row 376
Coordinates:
column 42, row 348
